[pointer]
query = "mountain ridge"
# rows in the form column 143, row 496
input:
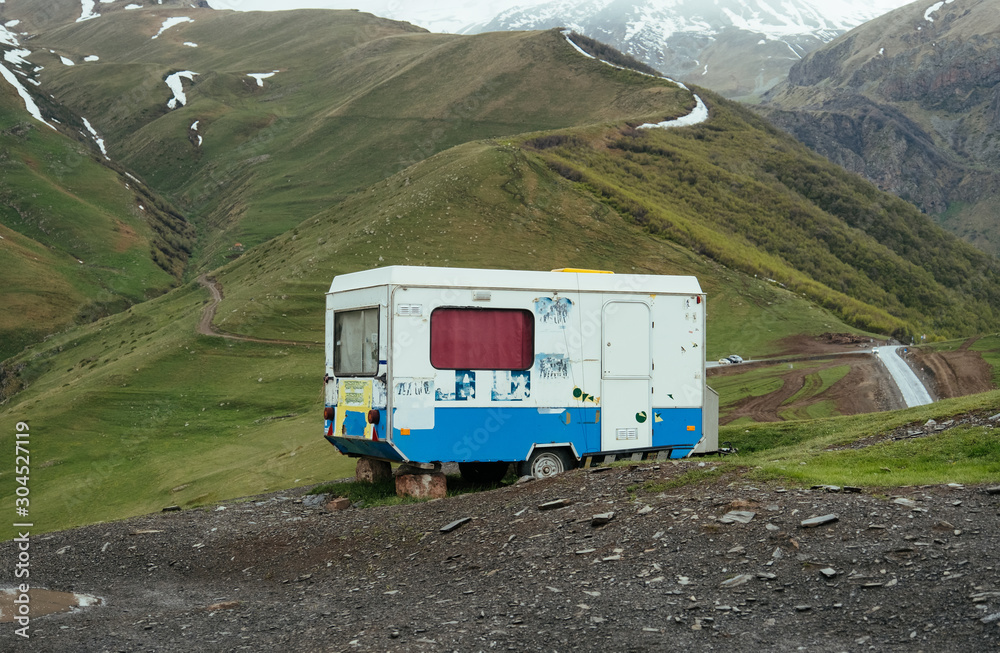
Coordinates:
column 735, row 47
column 909, row 101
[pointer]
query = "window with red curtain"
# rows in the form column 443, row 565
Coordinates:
column 482, row 339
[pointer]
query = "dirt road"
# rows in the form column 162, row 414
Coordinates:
column 205, row 326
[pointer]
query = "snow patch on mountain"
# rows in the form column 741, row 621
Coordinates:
column 97, row 138
column 680, row 36
column 8, row 37
column 933, row 9
column 29, row 102
column 16, row 57
column 260, row 77
column 87, row 11
column 177, row 86
column 171, row 22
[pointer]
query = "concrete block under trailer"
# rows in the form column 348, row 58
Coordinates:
column 490, row 367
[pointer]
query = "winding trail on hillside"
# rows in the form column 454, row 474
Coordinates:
column 697, row 115
column 206, row 328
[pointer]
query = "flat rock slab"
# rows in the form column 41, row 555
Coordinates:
column 737, row 516
column 602, row 518
column 558, row 503
column 340, row 503
column 447, row 528
column 902, row 501
column 819, row 521
column 736, row 581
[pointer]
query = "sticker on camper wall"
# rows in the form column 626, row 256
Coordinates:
column 552, row 366
column 463, row 390
column 553, row 310
column 414, row 387
column 583, row 396
column 354, row 402
column 511, row 386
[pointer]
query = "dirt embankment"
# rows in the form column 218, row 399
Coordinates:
column 866, row 388
column 950, row 374
column 668, row 571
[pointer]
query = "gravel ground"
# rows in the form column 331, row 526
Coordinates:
column 914, row 570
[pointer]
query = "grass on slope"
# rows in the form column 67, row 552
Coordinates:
column 136, row 412
column 796, row 452
column 735, row 389
column 355, row 99
column 75, row 244
column 488, row 205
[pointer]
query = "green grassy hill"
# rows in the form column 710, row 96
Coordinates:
column 731, row 190
column 136, row 411
column 79, row 239
column 353, row 100
column 378, row 144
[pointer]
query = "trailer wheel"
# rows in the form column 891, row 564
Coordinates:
column 546, row 463
column 483, row 473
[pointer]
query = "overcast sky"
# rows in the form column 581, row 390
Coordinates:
column 435, row 15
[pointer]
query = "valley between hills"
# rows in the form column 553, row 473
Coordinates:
column 163, row 338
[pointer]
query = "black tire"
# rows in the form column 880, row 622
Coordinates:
column 483, row 473
column 546, row 463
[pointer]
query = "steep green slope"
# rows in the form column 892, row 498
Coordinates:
column 733, row 190
column 742, row 193
column 79, row 240
column 353, row 99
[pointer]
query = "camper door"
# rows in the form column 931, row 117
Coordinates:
column 626, row 398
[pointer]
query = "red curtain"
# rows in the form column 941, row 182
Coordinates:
column 482, row 339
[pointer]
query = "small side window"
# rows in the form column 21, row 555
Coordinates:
column 355, row 342
column 482, row 339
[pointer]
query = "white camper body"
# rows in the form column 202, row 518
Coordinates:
column 472, row 366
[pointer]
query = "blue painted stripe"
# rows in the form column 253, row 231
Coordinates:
column 674, row 429
column 502, row 433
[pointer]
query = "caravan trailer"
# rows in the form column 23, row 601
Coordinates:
column 491, row 367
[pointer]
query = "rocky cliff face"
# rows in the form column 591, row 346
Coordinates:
column 912, row 102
